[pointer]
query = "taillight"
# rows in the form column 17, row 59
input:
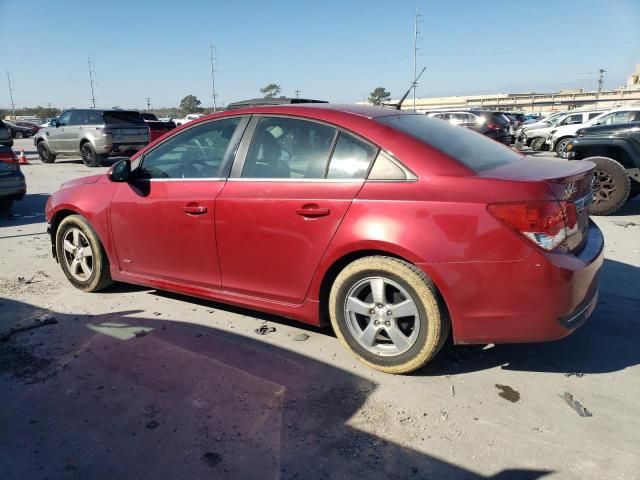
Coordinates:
column 547, row 224
column 493, row 126
column 104, row 130
column 11, row 158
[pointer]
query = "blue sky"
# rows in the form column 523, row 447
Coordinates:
column 333, row 50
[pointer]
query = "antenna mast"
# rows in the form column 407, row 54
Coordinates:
column 92, row 82
column 416, row 35
column 13, row 106
column 212, row 51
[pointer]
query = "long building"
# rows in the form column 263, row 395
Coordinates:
column 624, row 96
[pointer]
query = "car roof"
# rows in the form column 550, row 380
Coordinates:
column 321, row 109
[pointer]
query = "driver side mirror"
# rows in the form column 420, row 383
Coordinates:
column 120, row 171
column 55, row 123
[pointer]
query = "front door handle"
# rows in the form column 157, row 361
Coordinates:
column 312, row 210
column 194, row 209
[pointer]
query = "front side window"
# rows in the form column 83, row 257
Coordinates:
column 572, row 119
column 617, row 117
column 78, row 117
column 64, row 118
column 288, row 148
column 204, row 151
column 351, row 158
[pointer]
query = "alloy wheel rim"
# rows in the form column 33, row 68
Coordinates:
column 381, row 316
column 603, row 186
column 86, row 153
column 44, row 153
column 562, row 148
column 78, row 255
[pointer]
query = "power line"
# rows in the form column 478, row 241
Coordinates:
column 92, row 81
column 13, row 106
column 212, row 51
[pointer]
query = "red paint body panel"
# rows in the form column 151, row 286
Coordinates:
column 253, row 248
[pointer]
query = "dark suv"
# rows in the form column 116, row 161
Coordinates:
column 93, row 134
column 491, row 124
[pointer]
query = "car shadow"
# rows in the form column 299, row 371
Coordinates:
column 121, row 396
column 27, row 211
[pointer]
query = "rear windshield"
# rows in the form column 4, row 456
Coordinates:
column 472, row 149
column 149, row 116
column 120, row 117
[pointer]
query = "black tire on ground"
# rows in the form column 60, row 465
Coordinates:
column 97, row 262
column 612, row 186
column 538, row 144
column 427, row 331
column 5, row 205
column 19, row 135
column 561, row 145
column 89, row 156
column 44, row 153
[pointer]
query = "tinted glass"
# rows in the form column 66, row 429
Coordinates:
column 467, row 147
column 64, row 118
column 204, row 151
column 384, row 168
column 78, row 117
column 594, row 114
column 94, row 117
column 351, row 158
column 122, row 117
column 288, row 148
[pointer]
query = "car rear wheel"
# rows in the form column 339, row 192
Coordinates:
column 81, row 255
column 537, row 144
column 561, row 147
column 89, row 156
column 45, row 154
column 388, row 314
column 611, row 186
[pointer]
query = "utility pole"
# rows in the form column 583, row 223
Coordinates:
column 416, row 35
column 148, row 104
column 92, row 81
column 297, row 93
column 13, row 106
column 600, row 82
column 212, row 57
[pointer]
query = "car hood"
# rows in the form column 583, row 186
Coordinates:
column 82, row 181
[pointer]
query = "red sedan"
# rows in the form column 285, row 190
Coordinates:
column 396, row 227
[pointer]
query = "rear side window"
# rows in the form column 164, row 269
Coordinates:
column 122, row 117
column 466, row 146
column 351, row 157
column 78, row 117
column 594, row 115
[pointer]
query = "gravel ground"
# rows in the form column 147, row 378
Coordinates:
column 137, row 383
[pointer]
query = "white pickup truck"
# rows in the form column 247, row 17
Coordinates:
column 186, row 119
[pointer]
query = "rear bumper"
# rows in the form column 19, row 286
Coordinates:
column 13, row 187
column 539, row 298
column 116, row 148
column 7, row 143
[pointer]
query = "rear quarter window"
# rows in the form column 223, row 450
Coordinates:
column 465, row 146
column 122, row 117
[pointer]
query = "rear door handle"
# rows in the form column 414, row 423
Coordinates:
column 194, row 209
column 312, row 210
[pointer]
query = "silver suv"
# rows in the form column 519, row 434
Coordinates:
column 92, row 134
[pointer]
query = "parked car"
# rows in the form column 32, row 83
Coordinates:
column 157, row 128
column 536, row 137
column 17, row 131
column 12, row 184
column 615, row 150
column 492, row 125
column 393, row 226
column 92, row 134
column 33, row 126
column 6, row 138
column 560, row 137
column 188, row 118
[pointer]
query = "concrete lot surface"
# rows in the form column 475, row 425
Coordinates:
column 136, row 383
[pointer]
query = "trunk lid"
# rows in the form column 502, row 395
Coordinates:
column 571, row 184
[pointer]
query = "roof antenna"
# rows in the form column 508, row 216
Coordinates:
column 398, row 105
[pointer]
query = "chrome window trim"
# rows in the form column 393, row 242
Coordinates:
column 211, row 179
column 299, row 180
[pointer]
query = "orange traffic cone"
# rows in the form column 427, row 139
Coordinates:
column 22, row 159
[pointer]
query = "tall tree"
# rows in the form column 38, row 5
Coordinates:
column 190, row 104
column 271, row 90
column 379, row 96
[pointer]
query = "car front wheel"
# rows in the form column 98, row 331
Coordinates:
column 611, row 186
column 561, row 147
column 388, row 314
column 81, row 255
column 45, row 154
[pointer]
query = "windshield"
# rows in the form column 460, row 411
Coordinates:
column 472, row 149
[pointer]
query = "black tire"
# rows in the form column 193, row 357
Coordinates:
column 5, row 205
column 561, row 146
column 99, row 276
column 44, row 153
column 89, row 156
column 18, row 135
column 538, row 144
column 612, row 186
column 635, row 190
column 431, row 319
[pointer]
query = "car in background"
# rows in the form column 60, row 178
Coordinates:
column 493, row 125
column 33, row 126
column 157, row 128
column 17, row 131
column 536, row 137
column 393, row 226
column 561, row 136
column 187, row 118
column 6, row 138
column 12, row 183
column 92, row 134
column 615, row 150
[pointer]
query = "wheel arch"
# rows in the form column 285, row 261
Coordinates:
column 58, row 217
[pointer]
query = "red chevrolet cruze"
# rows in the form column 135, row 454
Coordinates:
column 397, row 227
